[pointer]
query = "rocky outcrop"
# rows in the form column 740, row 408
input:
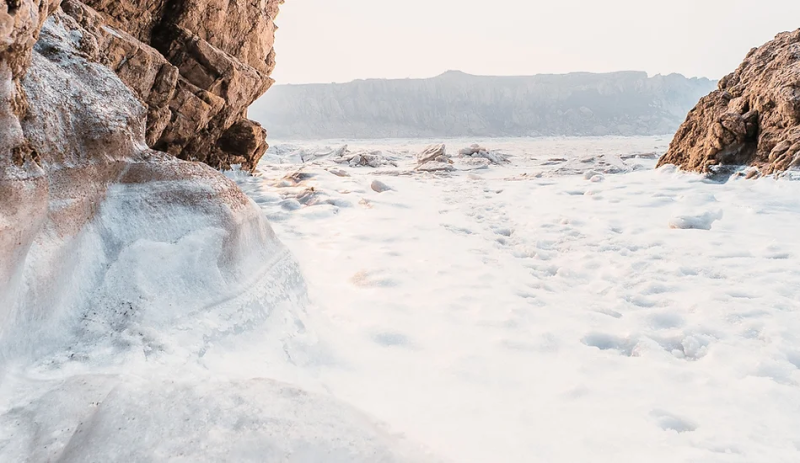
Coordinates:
column 70, row 130
column 753, row 118
column 196, row 64
column 81, row 191
column 456, row 104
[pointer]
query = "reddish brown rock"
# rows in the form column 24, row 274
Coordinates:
column 197, row 65
column 753, row 119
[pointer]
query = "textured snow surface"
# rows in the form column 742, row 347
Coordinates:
column 571, row 305
column 172, row 332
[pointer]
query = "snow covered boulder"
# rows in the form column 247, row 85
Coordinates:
column 472, row 150
column 695, row 222
column 380, row 187
column 372, row 159
column 477, row 151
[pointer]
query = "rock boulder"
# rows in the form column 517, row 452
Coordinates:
column 753, row 118
column 432, row 153
column 197, row 65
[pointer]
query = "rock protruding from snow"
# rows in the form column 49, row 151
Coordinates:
column 752, row 119
column 695, row 222
column 100, row 223
column 477, row 151
column 434, row 158
column 472, row 150
column 432, row 153
column 380, row 187
column 339, row 172
column 372, row 159
column 195, row 65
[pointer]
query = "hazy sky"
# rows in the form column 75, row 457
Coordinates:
column 342, row 40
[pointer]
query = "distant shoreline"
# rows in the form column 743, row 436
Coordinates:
column 457, row 105
column 447, row 140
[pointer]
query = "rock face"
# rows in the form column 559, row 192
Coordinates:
column 752, row 119
column 455, row 104
column 196, row 65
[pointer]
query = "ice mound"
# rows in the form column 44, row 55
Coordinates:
column 160, row 268
column 127, row 419
column 695, row 222
column 121, row 249
column 477, row 151
column 373, row 158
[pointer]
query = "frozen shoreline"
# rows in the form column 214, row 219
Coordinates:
column 571, row 304
column 531, row 309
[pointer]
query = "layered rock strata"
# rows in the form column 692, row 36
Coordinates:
column 752, row 119
column 196, row 65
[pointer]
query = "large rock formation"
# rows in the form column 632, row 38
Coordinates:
column 103, row 240
column 752, row 119
column 462, row 105
column 79, row 107
column 70, row 130
column 196, row 64
column 85, row 203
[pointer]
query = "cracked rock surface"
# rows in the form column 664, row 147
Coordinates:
column 752, row 119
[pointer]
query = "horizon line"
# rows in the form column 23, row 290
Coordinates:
column 510, row 76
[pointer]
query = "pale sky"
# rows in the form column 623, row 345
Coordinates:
column 342, row 40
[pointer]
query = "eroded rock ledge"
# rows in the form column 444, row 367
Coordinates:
column 753, row 119
column 195, row 64
column 80, row 101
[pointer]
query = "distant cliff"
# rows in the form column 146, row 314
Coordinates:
column 456, row 104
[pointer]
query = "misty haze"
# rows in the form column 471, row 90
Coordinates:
column 456, row 104
column 428, row 231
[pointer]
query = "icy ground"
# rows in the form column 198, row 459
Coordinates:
column 569, row 305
